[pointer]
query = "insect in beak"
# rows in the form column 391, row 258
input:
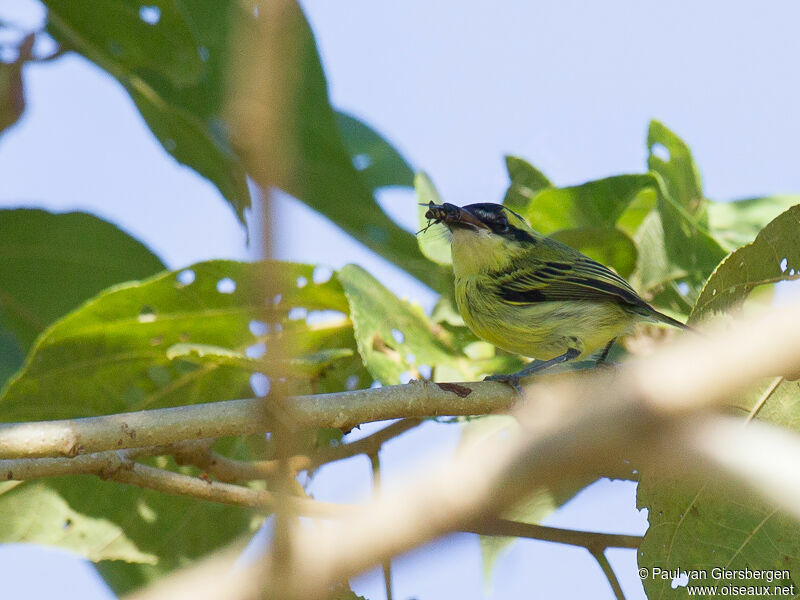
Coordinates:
column 452, row 216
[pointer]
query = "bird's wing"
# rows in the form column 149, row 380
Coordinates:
column 549, row 281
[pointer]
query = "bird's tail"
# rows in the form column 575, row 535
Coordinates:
column 658, row 316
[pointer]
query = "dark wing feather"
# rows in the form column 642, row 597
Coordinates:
column 581, row 279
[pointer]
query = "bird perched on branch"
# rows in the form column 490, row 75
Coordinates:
column 531, row 295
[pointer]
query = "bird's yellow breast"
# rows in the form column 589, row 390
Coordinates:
column 540, row 330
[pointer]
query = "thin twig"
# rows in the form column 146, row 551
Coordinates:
column 587, row 539
column 120, row 467
column 601, row 559
column 567, row 429
column 368, row 445
column 375, row 461
column 157, row 427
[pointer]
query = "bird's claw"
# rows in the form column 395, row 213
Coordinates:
column 512, row 380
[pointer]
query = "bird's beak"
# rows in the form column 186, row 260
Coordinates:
column 454, row 216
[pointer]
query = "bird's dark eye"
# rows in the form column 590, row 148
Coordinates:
column 501, row 225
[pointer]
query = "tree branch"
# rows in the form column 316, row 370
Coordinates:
column 601, row 559
column 568, row 428
column 241, row 417
column 119, row 466
column 591, row 540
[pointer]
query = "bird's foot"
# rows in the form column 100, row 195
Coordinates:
column 512, row 380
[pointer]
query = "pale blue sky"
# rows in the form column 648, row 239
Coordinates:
column 454, row 85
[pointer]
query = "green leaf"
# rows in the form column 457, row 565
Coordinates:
column 711, row 525
column 689, row 247
column 607, row 245
column 670, row 157
column 379, row 164
column 111, row 355
column 593, row 204
column 773, row 256
column 705, row 524
column 53, row 262
column 434, row 241
column 526, row 181
column 174, row 529
column 737, row 223
column 35, row 514
column 393, row 336
column 313, row 162
column 173, row 69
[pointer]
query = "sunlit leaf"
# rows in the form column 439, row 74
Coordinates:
column 737, row 223
column 118, row 342
column 593, row 204
column 395, row 337
column 434, row 241
column 773, row 256
column 33, row 513
column 606, row 245
column 670, row 157
column 526, row 180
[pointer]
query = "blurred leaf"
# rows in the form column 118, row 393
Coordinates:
column 670, row 157
column 12, row 97
column 606, row 245
column 378, row 163
column 34, row 514
column 773, row 256
column 705, row 524
column 434, row 241
column 737, row 223
column 53, row 262
column 172, row 59
column 540, row 504
column 593, row 204
column 300, row 148
column 118, row 341
column 526, row 181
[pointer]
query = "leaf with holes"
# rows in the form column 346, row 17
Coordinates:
column 378, row 163
column 53, row 262
column 712, row 525
column 773, row 256
column 172, row 58
column 395, row 337
column 701, row 524
column 526, row 181
column 593, row 204
column 118, row 342
column 433, row 240
column 671, row 159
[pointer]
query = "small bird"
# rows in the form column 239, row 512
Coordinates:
column 532, row 295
